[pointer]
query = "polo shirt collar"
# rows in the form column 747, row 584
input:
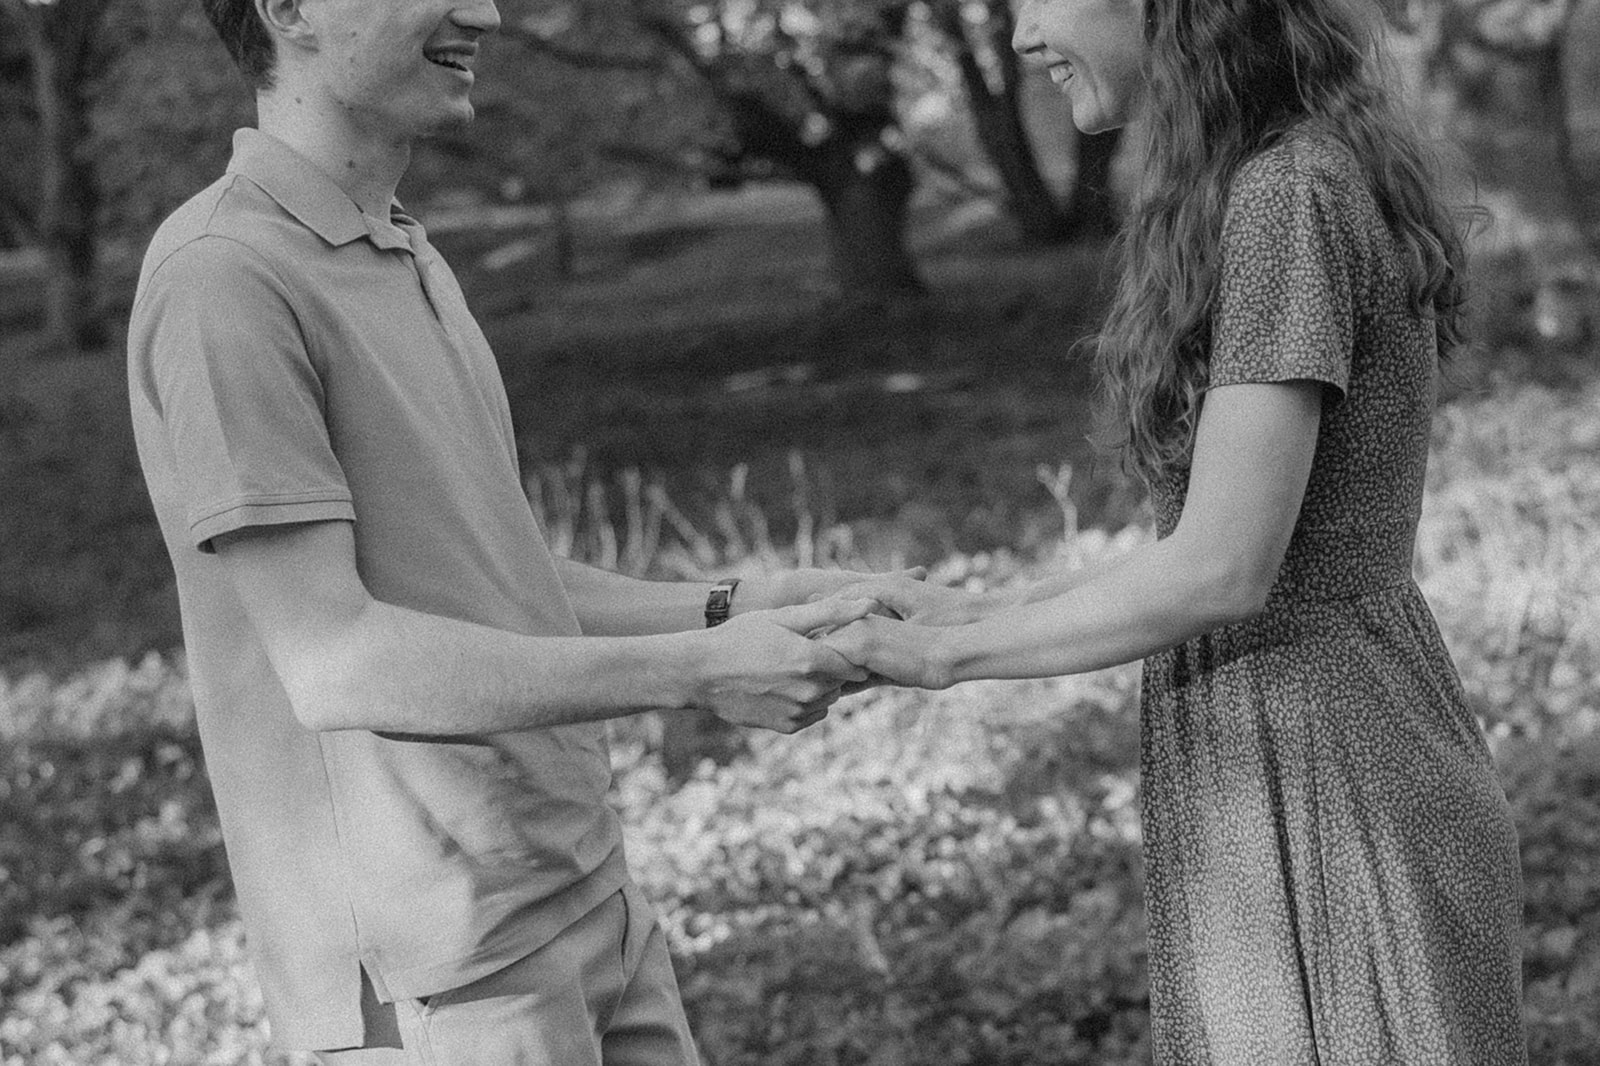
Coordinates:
column 304, row 190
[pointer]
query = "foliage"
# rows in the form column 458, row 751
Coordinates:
column 947, row 878
column 1555, row 793
column 1506, row 555
column 85, row 564
column 115, row 905
column 1512, row 80
column 163, row 112
column 926, row 878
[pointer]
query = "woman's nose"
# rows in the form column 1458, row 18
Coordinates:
column 1025, row 38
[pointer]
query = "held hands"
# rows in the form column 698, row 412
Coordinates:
column 766, row 673
column 904, row 638
column 895, row 652
column 923, row 603
column 762, row 671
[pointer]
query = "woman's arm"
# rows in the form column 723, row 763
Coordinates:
column 1252, row 458
column 930, row 604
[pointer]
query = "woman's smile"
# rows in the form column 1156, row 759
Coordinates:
column 1094, row 52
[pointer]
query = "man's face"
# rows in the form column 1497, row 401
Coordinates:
column 399, row 68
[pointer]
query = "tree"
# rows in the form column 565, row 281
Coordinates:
column 979, row 34
column 554, row 122
column 164, row 107
column 804, row 86
column 1506, row 65
column 18, row 145
column 65, row 50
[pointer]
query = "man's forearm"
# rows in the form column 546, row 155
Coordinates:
column 609, row 604
column 394, row 669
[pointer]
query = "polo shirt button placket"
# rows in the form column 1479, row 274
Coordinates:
column 420, row 267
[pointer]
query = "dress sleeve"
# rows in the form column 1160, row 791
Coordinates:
column 241, row 405
column 1284, row 307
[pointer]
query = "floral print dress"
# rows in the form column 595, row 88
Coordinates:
column 1332, row 870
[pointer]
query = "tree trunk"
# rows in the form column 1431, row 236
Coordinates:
column 1029, row 198
column 1559, row 92
column 71, row 238
column 1511, row 115
column 866, row 194
column 996, row 102
column 997, row 119
column 865, row 185
column 68, row 199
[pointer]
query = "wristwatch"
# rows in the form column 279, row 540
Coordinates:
column 719, row 601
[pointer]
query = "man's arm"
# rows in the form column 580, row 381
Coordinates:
column 609, row 604
column 348, row 661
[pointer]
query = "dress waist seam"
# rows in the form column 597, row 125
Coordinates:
column 1296, row 598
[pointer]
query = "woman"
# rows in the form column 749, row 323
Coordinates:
column 1332, row 872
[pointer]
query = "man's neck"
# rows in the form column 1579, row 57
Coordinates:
column 368, row 168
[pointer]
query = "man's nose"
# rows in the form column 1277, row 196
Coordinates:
column 480, row 15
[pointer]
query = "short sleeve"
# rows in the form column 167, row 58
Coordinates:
column 239, row 401
column 1284, row 305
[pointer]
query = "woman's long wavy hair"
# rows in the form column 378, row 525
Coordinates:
column 1226, row 78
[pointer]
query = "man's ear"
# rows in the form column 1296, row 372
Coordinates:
column 287, row 23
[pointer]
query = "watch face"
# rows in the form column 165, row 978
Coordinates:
column 718, row 602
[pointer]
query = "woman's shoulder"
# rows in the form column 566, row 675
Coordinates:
column 1307, row 159
column 1307, row 176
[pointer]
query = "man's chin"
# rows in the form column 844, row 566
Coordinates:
column 451, row 122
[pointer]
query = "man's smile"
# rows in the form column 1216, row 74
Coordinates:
column 456, row 57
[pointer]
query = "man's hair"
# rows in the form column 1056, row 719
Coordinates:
column 246, row 38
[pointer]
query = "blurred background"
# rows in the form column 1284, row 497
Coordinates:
column 771, row 282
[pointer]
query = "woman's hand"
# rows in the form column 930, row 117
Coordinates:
column 786, row 588
column 926, row 605
column 896, row 652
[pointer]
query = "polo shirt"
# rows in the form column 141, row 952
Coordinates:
column 292, row 359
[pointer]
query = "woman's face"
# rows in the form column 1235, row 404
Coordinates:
column 1094, row 51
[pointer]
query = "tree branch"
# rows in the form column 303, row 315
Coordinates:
column 1531, row 46
column 669, row 31
column 16, row 225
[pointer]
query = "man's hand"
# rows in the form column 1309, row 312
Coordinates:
column 760, row 670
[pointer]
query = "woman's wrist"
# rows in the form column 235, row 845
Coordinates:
column 947, row 659
column 992, row 601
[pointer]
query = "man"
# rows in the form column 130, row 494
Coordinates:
column 400, row 691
